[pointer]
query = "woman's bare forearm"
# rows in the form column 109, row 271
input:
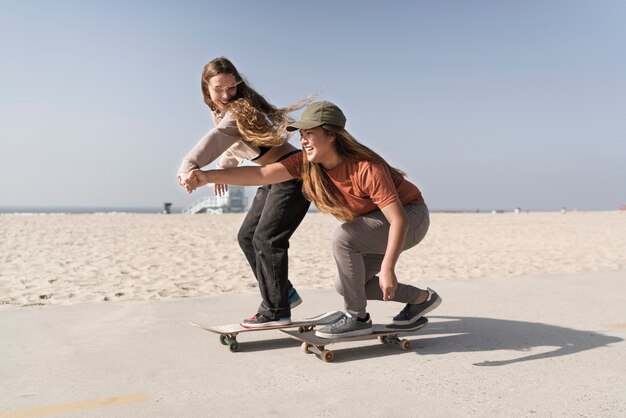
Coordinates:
column 241, row 176
column 397, row 233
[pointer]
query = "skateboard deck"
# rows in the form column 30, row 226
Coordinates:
column 228, row 333
column 386, row 334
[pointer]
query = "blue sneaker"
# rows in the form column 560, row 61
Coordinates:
column 294, row 298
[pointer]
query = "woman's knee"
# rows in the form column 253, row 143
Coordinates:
column 259, row 243
column 423, row 223
column 269, row 242
column 244, row 238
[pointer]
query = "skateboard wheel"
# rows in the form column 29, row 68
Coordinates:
column 305, row 348
column 233, row 346
column 223, row 340
column 405, row 345
column 300, row 330
column 383, row 339
column 328, row 356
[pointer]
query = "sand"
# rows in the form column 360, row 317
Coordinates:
column 78, row 258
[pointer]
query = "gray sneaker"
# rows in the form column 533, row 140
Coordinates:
column 412, row 312
column 346, row 326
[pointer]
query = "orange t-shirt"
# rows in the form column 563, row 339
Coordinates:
column 366, row 186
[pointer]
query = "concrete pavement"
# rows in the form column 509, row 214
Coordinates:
column 515, row 347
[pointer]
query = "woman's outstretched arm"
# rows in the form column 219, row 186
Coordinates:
column 398, row 225
column 241, row 176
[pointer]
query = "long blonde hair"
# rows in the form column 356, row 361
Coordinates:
column 317, row 186
column 257, row 119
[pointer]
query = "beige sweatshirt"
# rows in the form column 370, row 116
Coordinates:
column 225, row 140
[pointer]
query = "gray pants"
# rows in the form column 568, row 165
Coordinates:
column 359, row 247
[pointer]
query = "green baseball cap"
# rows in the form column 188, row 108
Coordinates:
column 318, row 114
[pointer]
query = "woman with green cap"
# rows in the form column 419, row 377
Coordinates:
column 383, row 214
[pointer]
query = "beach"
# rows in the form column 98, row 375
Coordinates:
column 109, row 257
column 532, row 324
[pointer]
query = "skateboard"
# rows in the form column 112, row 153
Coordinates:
column 386, row 334
column 228, row 333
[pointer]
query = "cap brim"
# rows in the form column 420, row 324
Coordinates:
column 303, row 124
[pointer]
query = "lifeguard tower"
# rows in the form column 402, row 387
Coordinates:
column 234, row 200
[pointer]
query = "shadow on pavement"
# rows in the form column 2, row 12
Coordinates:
column 476, row 334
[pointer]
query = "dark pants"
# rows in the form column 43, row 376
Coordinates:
column 276, row 212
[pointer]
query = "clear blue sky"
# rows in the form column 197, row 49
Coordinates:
column 485, row 104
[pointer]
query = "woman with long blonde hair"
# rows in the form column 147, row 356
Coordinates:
column 383, row 214
column 248, row 127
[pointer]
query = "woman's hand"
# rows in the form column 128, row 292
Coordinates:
column 221, row 189
column 196, row 178
column 181, row 179
column 388, row 283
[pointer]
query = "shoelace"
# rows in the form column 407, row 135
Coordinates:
column 341, row 321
